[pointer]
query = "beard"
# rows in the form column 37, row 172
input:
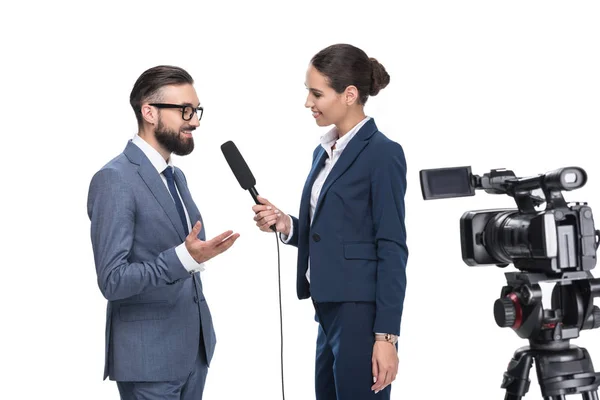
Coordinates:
column 173, row 141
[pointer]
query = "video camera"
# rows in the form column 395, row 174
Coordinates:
column 560, row 238
column 556, row 245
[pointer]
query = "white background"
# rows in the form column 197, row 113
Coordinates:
column 490, row 84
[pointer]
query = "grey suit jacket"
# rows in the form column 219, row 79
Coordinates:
column 157, row 316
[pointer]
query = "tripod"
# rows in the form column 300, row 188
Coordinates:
column 559, row 371
column 562, row 368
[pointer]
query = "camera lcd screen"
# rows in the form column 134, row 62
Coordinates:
column 443, row 183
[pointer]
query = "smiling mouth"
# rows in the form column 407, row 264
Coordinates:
column 316, row 114
column 187, row 132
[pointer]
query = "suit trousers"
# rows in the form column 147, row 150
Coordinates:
column 189, row 388
column 343, row 367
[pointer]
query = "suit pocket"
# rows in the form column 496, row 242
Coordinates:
column 360, row 251
column 154, row 310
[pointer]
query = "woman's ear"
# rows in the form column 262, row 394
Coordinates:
column 351, row 95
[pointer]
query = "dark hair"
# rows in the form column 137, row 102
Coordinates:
column 345, row 65
column 148, row 85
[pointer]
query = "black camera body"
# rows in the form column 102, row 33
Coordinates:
column 560, row 238
column 546, row 241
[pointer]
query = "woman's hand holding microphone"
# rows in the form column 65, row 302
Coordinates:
column 267, row 214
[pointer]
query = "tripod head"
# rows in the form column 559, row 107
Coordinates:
column 520, row 307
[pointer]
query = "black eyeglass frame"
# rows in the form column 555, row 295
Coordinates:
column 197, row 110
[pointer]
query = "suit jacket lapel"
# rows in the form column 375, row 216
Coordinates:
column 188, row 202
column 354, row 147
column 310, row 180
column 156, row 185
column 162, row 195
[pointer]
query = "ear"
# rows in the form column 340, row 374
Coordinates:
column 150, row 114
column 351, row 95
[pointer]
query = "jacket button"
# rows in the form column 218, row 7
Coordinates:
column 316, row 237
column 195, row 299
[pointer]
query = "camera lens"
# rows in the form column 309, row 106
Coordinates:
column 506, row 236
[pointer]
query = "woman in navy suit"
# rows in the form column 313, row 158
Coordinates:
column 350, row 231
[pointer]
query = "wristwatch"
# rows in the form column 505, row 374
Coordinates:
column 386, row 337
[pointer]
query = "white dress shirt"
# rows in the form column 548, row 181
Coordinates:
column 160, row 164
column 327, row 141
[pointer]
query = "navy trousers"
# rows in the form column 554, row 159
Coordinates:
column 190, row 388
column 343, row 368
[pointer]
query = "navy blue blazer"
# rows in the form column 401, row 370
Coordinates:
column 357, row 240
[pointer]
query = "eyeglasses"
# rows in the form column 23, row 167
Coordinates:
column 187, row 112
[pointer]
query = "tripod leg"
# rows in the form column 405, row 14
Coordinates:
column 566, row 372
column 516, row 378
column 590, row 395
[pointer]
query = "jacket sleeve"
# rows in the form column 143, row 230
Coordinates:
column 292, row 239
column 111, row 209
column 388, row 184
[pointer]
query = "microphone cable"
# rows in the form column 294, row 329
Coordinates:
column 280, row 314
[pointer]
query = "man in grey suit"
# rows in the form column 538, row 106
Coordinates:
column 149, row 248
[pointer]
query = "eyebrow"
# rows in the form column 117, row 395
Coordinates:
column 191, row 105
column 313, row 89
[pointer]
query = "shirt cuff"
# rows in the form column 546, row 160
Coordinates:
column 284, row 238
column 187, row 260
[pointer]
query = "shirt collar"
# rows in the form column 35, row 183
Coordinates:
column 153, row 155
column 331, row 137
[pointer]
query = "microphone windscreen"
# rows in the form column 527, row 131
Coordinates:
column 238, row 165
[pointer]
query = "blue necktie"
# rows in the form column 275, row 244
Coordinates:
column 168, row 173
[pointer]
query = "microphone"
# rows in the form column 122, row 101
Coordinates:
column 247, row 182
column 241, row 171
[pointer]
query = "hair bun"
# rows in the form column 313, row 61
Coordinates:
column 379, row 77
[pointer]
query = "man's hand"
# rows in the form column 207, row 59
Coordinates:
column 385, row 365
column 202, row 251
